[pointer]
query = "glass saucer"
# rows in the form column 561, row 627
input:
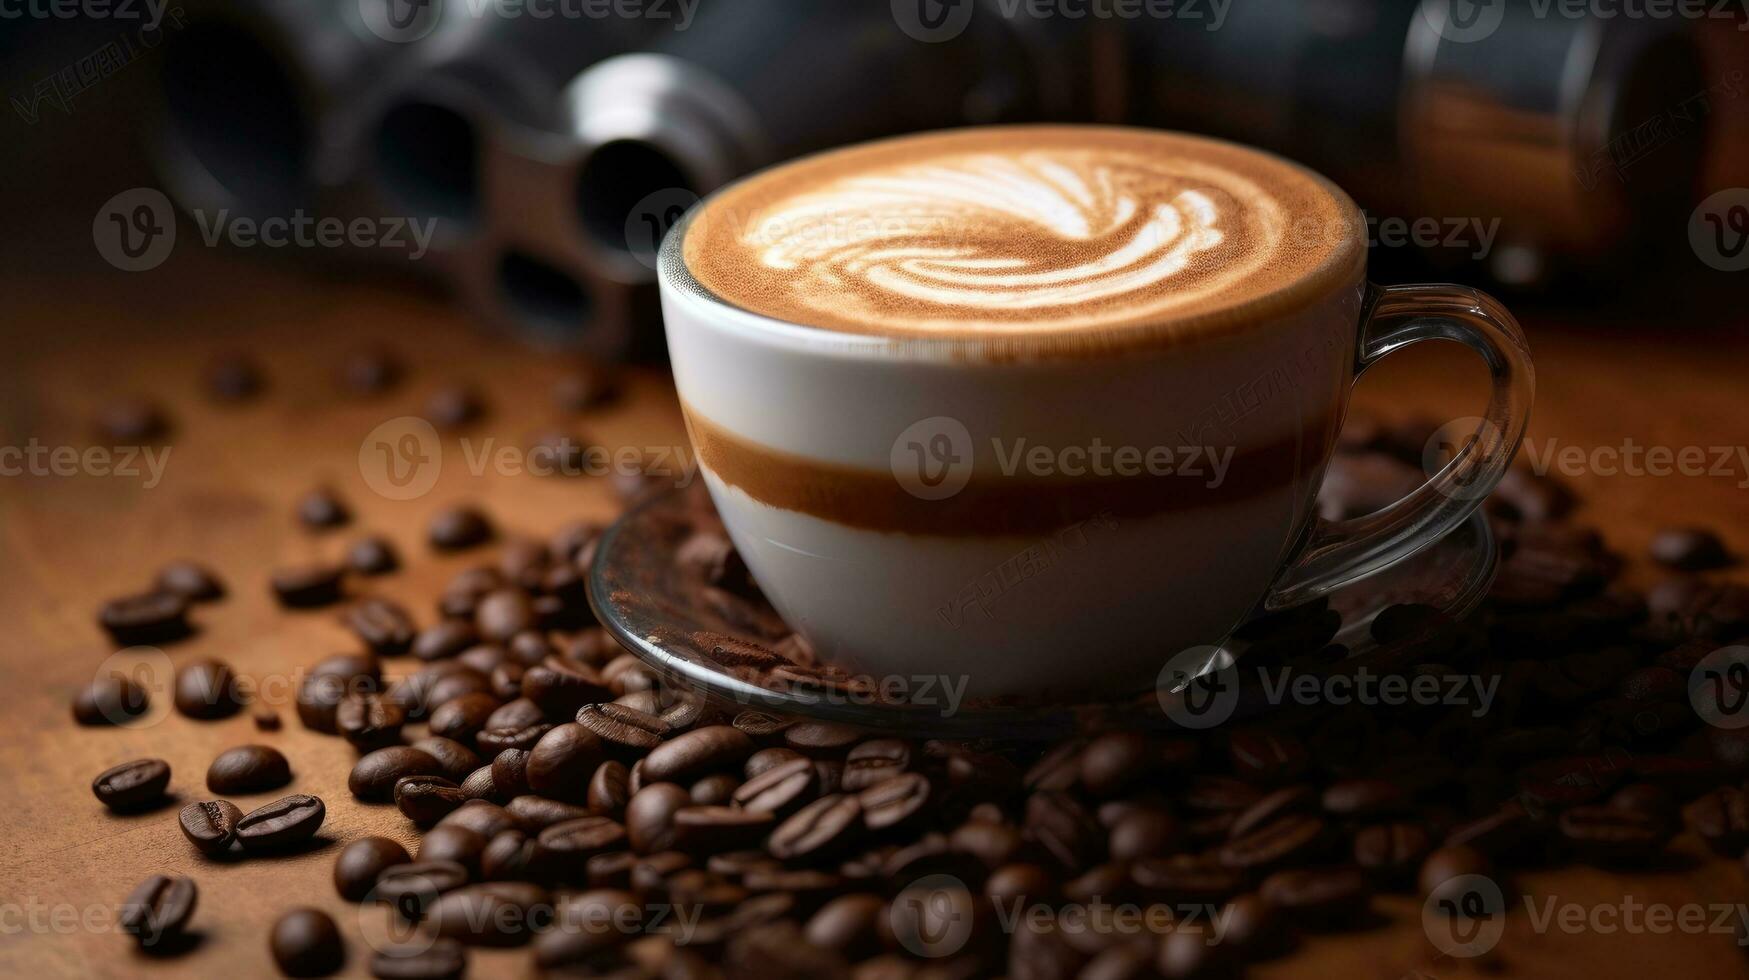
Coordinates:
column 708, row 640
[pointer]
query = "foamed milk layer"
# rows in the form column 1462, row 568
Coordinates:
column 1019, row 231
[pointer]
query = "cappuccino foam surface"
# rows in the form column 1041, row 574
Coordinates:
column 1029, row 231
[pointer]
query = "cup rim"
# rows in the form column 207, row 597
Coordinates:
column 676, row 283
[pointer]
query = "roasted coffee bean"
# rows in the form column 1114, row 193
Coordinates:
column 462, row 718
column 444, row 639
column 373, row 555
column 823, row 826
column 207, row 689
column 499, row 913
column 157, row 911
column 369, row 720
column 503, row 613
column 1144, row 832
column 509, row 856
column 761, row 724
column 507, row 681
column 782, row 789
column 248, row 769
column 306, row 943
column 232, row 377
column 875, row 760
column 132, row 421
column 329, row 682
column 370, row 371
column 1114, row 761
column 1253, row 928
column 384, row 627
column 1183, row 879
column 132, row 785
column 456, row 759
column 1364, row 798
column 427, row 799
column 564, row 849
column 895, row 801
column 1319, row 898
column 362, row 861
column 1267, row 758
column 850, row 924
column 411, row 888
column 767, row 759
column 266, row 719
column 1721, row 818
column 1502, row 832
column 534, row 814
column 561, row 688
column 450, row 842
column 589, row 926
column 609, row 788
column 211, row 826
column 820, row 739
column 618, row 725
column 142, row 620
column 282, row 823
column 519, row 713
column 1392, row 852
column 484, row 817
column 1609, row 834
column 1649, row 799
column 420, row 959
column 649, row 819
column 374, row 776
column 1279, row 803
column 702, row 829
column 1063, row 827
column 457, row 528
column 450, row 680
column 1286, row 840
column 1690, row 549
column 697, row 753
column 307, row 586
column 510, row 772
column 322, row 508
column 480, row 786
column 191, row 581
column 1449, row 878
column 110, row 700
column 492, row 741
column 992, row 842
column 561, row 763
column 453, row 407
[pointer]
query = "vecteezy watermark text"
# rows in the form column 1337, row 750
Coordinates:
column 35, row 458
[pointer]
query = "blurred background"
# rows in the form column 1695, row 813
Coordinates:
column 522, row 158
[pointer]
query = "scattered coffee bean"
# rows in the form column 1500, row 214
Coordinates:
column 426, row 799
column 499, row 913
column 411, row 887
column 156, row 913
column 453, row 407
column 322, row 508
column 248, row 769
column 458, row 527
column 454, row 843
column 362, row 861
column 307, row 586
column 211, row 826
column 110, row 700
column 191, row 581
column 132, row 422
column 145, row 619
column 132, row 785
column 1318, row 898
column 561, row 763
column 384, row 627
column 697, row 753
column 370, row 371
column 374, row 776
column 421, row 959
column 369, row 720
column 233, row 377
column 373, row 555
column 1691, row 549
column 207, row 689
column 281, row 824
column 306, row 943
column 456, row 759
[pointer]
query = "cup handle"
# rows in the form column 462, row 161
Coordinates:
column 1339, row 552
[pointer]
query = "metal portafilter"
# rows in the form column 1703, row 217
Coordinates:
column 1518, row 137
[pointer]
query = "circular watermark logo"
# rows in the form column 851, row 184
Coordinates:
column 1718, row 687
column 135, row 230
column 933, row 916
column 390, row 923
column 1471, row 434
column 1199, row 688
column 1463, row 21
column 1718, row 230
column 400, row 21
column 932, row 458
column 1465, row 916
column 129, row 683
column 933, row 21
column 650, row 219
column 401, row 458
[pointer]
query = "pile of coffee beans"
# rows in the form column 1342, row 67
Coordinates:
column 570, row 800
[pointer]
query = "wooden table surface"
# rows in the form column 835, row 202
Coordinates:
column 226, row 498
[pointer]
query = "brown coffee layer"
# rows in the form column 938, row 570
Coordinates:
column 995, row 503
column 1034, row 232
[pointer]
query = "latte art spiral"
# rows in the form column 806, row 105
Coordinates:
column 1004, row 232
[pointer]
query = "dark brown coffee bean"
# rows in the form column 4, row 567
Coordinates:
column 1650, row 799
column 1220, row 794
column 373, row 555
column 384, row 627
column 1364, row 798
column 1721, row 818
column 483, row 817
column 444, row 639
column 248, row 769
column 266, row 719
column 207, row 689
column 1609, row 834
column 782, row 789
column 609, row 788
column 456, row 759
column 1113, row 762
column 1448, row 879
column 1318, row 898
column 875, row 760
column 561, row 763
column 894, row 802
column 1267, row 758
column 649, row 819
column 157, row 911
column 211, row 826
column 821, row 827
column 191, row 581
column 369, row 720
column 492, row 741
column 1690, row 549
column 534, row 814
column 564, row 849
column 618, row 725
column 1063, row 827
column 232, row 377
column 820, row 739
column 767, row 759
column 282, row 823
column 1392, row 852
column 761, row 724
column 360, row 862
column 507, row 681
column 132, row 421
column 697, row 753
column 412, row 888
column 322, row 508
column 561, row 688
column 306, row 943
column 1279, row 803
column 457, row 528
column 462, row 718
column 1500, row 833
column 1291, row 839
column 503, row 613
column 499, row 913
column 850, row 924
column 1144, row 832
column 450, row 842
column 132, row 785
column 329, row 682
column 110, row 700
column 1182, row 879
column 480, row 786
column 421, row 959
column 509, row 856
column 1253, row 928
column 142, row 620
column 453, row 407
column 708, row 829
column 427, row 799
column 307, row 586
column 370, row 371
column 374, row 776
